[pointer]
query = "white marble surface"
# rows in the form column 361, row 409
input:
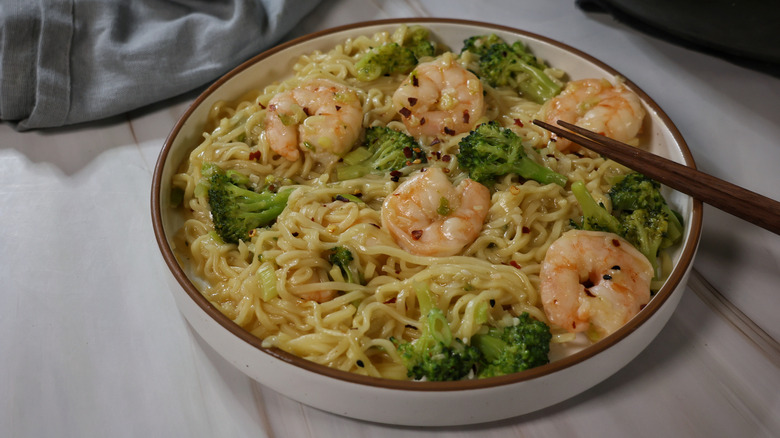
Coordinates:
column 91, row 343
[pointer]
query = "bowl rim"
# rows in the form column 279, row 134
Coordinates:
column 670, row 286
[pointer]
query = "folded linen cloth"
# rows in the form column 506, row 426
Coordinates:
column 69, row 61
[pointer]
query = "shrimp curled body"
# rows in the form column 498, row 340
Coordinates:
column 320, row 115
column 427, row 215
column 440, row 97
column 595, row 104
column 593, row 281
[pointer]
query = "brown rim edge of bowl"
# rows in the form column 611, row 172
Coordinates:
column 676, row 276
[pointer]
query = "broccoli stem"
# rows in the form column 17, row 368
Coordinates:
column 530, row 169
column 594, row 215
column 424, row 298
column 271, row 204
column 490, row 346
column 541, row 87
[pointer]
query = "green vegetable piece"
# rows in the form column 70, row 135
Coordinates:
column 235, row 210
column 386, row 59
column 491, row 151
column 436, row 355
column 513, row 349
column 342, row 257
column 417, row 40
column 640, row 215
column 647, row 221
column 388, row 150
column 266, row 273
column 392, row 58
column 501, row 64
column 594, row 216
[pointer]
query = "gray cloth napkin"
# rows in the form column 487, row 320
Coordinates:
column 70, row 61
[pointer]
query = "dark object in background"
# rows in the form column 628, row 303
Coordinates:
column 744, row 32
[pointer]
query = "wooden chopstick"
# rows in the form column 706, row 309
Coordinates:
column 740, row 202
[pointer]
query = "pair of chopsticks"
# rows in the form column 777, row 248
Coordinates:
column 732, row 199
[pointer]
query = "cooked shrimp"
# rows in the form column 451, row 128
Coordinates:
column 427, row 215
column 594, row 281
column 596, row 105
column 320, row 115
column 440, row 97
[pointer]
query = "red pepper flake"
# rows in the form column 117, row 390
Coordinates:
column 615, row 243
column 306, row 111
column 338, row 107
column 406, row 112
column 395, row 175
column 435, row 141
column 256, row 155
column 446, row 158
column 449, row 131
column 407, row 152
column 391, row 300
column 515, row 264
column 412, row 101
column 415, row 81
column 422, row 121
column 466, row 116
column 526, row 230
column 417, row 234
column 519, row 123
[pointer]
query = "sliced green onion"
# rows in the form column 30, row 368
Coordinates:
column 266, row 273
column 357, row 155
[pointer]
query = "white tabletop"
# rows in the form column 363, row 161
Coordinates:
column 92, row 344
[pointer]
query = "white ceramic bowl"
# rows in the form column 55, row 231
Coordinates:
column 403, row 402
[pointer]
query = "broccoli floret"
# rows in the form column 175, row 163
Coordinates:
column 436, row 355
column 417, row 40
column 512, row 349
column 235, row 209
column 638, row 192
column 342, row 257
column 639, row 214
column 648, row 222
column 502, row 64
column 385, row 150
column 491, row 151
column 393, row 58
column 389, row 58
